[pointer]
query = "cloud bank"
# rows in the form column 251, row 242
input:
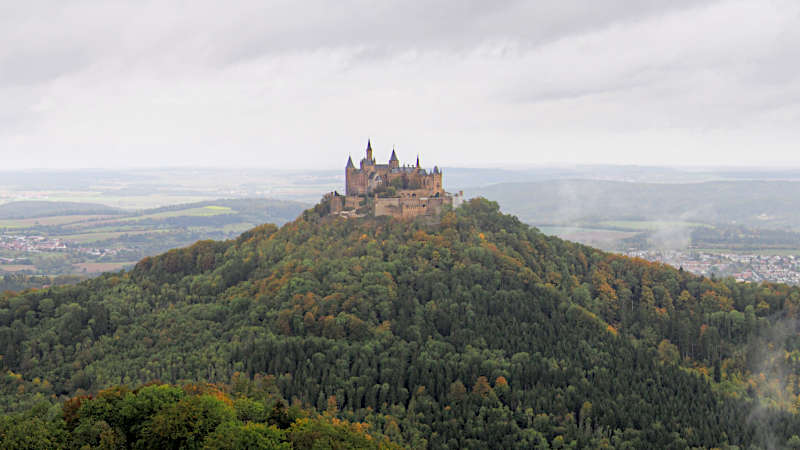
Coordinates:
column 296, row 84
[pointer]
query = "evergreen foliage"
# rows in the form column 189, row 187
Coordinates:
column 193, row 417
column 476, row 332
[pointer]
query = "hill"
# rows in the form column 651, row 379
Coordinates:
column 476, row 332
column 34, row 209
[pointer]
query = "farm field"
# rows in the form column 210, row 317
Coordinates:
column 107, row 235
column 647, row 225
column 203, row 211
column 100, row 267
column 598, row 237
column 48, row 221
column 13, row 268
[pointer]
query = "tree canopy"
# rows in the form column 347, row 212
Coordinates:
column 474, row 332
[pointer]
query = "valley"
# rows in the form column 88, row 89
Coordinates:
column 76, row 242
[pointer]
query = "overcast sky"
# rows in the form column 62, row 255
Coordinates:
column 461, row 82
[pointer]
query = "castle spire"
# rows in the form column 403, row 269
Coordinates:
column 394, row 163
column 417, row 161
column 350, row 164
column 369, row 151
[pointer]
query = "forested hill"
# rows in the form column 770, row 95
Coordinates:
column 476, row 332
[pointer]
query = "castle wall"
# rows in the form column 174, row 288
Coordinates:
column 409, row 207
column 415, row 193
column 387, row 207
column 351, row 202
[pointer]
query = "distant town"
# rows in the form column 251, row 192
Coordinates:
column 23, row 243
column 742, row 267
column 39, row 244
column 35, row 254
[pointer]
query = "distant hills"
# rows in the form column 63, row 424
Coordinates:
column 280, row 211
column 33, row 209
column 476, row 332
column 755, row 203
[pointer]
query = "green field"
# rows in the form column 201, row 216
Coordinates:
column 48, row 221
column 760, row 251
column 129, row 202
column 647, row 225
column 99, row 267
column 558, row 231
column 16, row 267
column 85, row 238
column 204, row 211
column 229, row 228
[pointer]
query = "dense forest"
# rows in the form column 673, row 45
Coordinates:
column 475, row 332
column 246, row 414
column 744, row 238
column 21, row 282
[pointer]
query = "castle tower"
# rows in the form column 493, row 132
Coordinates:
column 394, row 163
column 369, row 158
column 437, row 181
column 349, row 175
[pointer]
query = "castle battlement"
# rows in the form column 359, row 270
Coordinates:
column 391, row 189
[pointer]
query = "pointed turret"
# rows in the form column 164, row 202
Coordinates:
column 369, row 151
column 350, row 164
column 417, row 161
column 394, row 162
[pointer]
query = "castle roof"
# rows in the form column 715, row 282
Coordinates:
column 369, row 145
column 393, row 157
column 350, row 164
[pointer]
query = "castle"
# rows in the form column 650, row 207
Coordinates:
column 391, row 189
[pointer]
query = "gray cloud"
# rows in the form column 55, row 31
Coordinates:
column 117, row 83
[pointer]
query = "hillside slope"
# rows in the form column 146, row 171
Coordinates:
column 476, row 332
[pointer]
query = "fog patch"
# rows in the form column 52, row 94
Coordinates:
column 773, row 376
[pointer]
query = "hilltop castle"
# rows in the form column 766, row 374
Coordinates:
column 391, row 189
